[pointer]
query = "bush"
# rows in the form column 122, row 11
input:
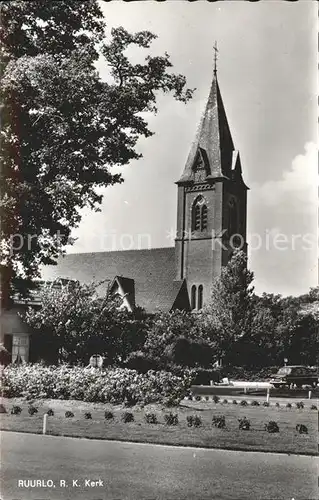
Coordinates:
column 216, row 398
column 69, row 414
column 272, row 427
column 114, row 385
column 266, row 403
column 108, row 415
column 219, row 421
column 151, row 418
column 2, row 409
column 193, row 421
column 127, row 417
column 235, row 402
column 16, row 410
column 206, row 398
column 244, row 424
column 288, row 405
column 255, row 403
column 32, row 410
column 243, row 402
column 277, row 405
column 204, row 376
column 225, row 401
column 88, row 415
column 50, row 412
column 171, row 418
column 300, row 405
column 198, row 398
column 302, row 429
column 313, row 407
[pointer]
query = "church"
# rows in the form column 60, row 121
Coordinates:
column 211, row 221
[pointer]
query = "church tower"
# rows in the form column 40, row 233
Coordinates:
column 212, row 203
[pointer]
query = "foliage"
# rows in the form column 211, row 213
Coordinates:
column 171, row 418
column 272, row 427
column 216, row 399
column 266, row 403
column 244, row 424
column 69, row 414
column 32, row 410
column 203, row 376
column 77, row 320
column 229, row 311
column 114, row 385
column 193, row 421
column 50, row 412
column 2, row 408
column 313, row 407
column 289, row 405
column 88, row 415
column 127, row 416
column 198, row 397
column 300, row 405
column 234, row 402
column 302, row 429
column 151, row 418
column 225, row 401
column 64, row 128
column 243, row 402
column 108, row 415
column 255, row 403
column 277, row 405
column 219, row 421
column 16, row 410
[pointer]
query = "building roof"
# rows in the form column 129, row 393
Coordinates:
column 153, row 272
column 214, row 137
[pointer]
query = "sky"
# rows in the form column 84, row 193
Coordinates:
column 267, row 73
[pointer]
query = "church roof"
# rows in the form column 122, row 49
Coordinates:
column 153, row 272
column 214, row 137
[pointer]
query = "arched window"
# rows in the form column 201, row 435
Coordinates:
column 193, row 297
column 200, row 297
column 199, row 215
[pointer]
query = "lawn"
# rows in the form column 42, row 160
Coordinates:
column 288, row 440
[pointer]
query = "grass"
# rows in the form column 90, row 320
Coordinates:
column 288, row 440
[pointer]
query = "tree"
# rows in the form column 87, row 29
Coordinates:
column 229, row 311
column 63, row 128
column 74, row 322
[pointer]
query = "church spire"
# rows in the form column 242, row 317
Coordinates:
column 213, row 139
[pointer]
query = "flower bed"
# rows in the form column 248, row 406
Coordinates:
column 117, row 385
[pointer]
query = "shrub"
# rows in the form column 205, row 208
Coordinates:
column 313, row 407
column 277, row 405
column 243, row 402
column 171, row 418
column 108, row 415
column 202, row 376
column 198, row 397
column 32, row 410
column 288, row 405
column 219, row 421
column 88, row 415
column 113, row 385
column 50, row 412
column 266, row 403
column 272, row 427
column 300, row 405
column 206, row 398
column 244, row 424
column 151, row 418
column 69, row 414
column 16, row 410
column 235, row 402
column 2, row 409
column 216, row 398
column 225, row 401
column 127, row 416
column 302, row 429
column 193, row 421
column 255, row 403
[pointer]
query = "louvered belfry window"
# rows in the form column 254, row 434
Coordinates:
column 193, row 297
column 199, row 215
column 200, row 297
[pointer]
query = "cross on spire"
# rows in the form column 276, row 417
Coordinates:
column 215, row 58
